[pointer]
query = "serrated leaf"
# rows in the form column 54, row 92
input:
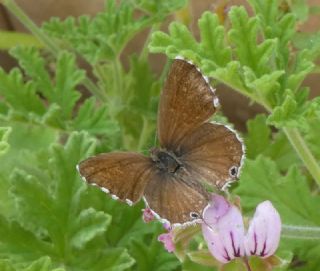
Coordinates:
column 61, row 226
column 18, row 95
column 92, row 118
column 213, row 39
column 261, row 180
column 293, row 114
column 88, row 225
column 34, row 65
column 104, row 36
column 181, row 42
column 243, row 34
column 60, row 92
column 66, row 79
column 152, row 256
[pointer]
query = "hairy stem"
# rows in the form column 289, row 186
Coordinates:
column 294, row 138
column 47, row 42
column 305, row 154
column 300, row 232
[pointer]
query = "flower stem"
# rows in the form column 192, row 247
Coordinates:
column 305, row 154
column 246, row 262
column 47, row 42
column 300, row 232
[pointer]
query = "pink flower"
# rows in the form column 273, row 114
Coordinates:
column 263, row 235
column 147, row 215
column 167, row 240
column 223, row 230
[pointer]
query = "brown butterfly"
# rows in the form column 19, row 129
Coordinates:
column 192, row 153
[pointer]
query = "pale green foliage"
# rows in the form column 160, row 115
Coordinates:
column 261, row 69
column 51, row 221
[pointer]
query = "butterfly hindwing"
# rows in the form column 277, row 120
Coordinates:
column 212, row 153
column 123, row 174
column 176, row 197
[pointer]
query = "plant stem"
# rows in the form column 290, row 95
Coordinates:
column 47, row 42
column 144, row 50
column 295, row 139
column 304, row 152
column 246, row 262
column 300, row 232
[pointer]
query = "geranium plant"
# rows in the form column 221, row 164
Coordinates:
column 55, row 112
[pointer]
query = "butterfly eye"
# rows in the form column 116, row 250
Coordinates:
column 233, row 171
column 194, row 215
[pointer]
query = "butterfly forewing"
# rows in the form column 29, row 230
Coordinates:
column 186, row 102
column 123, row 174
column 176, row 198
column 213, row 153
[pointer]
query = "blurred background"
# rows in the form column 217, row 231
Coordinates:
column 235, row 106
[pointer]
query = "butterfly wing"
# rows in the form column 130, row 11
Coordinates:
column 176, row 197
column 213, row 153
column 187, row 100
column 123, row 174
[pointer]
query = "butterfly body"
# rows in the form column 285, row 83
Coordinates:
column 192, row 152
column 165, row 161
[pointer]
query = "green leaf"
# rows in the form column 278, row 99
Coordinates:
column 243, row 34
column 261, row 140
column 4, row 135
column 258, row 138
column 181, row 42
column 53, row 217
column 104, row 36
column 34, row 65
column 66, row 79
column 88, row 225
column 152, row 256
column 213, row 39
column 261, row 180
column 293, row 113
column 93, row 118
column 19, row 96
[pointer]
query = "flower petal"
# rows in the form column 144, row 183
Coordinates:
column 166, row 239
column 223, row 230
column 217, row 208
column 264, row 231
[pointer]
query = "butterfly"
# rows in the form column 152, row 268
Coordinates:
column 193, row 153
